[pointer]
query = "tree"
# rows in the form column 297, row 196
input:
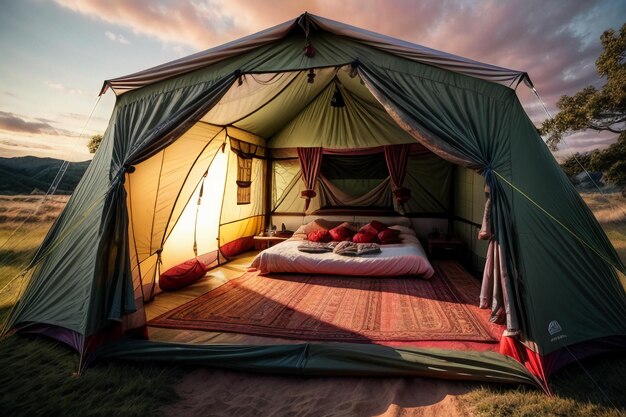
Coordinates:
column 611, row 161
column 590, row 108
column 94, row 143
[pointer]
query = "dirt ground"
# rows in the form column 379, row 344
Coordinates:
column 213, row 392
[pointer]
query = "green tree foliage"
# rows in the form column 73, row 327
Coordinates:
column 611, row 161
column 590, row 108
column 94, row 143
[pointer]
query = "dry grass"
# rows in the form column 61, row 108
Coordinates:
column 30, row 209
column 33, row 216
column 608, row 208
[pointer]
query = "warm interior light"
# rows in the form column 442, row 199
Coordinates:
column 179, row 244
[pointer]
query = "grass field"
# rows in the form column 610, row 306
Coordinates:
column 38, row 379
column 35, row 216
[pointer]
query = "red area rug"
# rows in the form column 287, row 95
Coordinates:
column 339, row 308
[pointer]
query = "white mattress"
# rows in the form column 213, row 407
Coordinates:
column 407, row 258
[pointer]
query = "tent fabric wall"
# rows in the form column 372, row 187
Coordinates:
column 469, row 204
column 240, row 222
column 555, row 286
column 178, row 169
column 57, row 293
column 430, row 180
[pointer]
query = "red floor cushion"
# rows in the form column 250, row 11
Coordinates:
column 182, row 275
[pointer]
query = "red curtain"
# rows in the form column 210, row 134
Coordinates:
column 310, row 162
column 397, row 157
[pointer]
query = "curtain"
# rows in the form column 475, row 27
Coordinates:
column 331, row 195
column 310, row 162
column 397, row 157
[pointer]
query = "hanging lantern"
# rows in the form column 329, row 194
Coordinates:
column 311, row 76
column 309, row 50
column 337, row 100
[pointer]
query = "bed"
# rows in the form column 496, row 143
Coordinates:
column 399, row 259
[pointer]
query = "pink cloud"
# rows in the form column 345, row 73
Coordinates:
column 11, row 122
column 15, row 123
column 192, row 23
column 556, row 44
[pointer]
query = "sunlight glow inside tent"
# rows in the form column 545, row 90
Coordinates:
column 178, row 246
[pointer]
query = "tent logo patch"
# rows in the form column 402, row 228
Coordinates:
column 554, row 327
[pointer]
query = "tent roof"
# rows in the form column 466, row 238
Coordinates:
column 508, row 77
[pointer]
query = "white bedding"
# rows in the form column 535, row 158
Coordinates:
column 406, row 258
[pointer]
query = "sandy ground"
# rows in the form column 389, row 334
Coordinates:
column 212, row 392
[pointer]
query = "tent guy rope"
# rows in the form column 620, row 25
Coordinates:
column 55, row 182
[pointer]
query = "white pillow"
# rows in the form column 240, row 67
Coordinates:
column 403, row 229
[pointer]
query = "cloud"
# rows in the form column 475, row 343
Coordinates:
column 14, row 123
column 556, row 45
column 65, row 149
column 63, row 88
column 9, row 94
column 197, row 23
column 22, row 146
column 83, row 117
column 116, row 38
column 11, row 122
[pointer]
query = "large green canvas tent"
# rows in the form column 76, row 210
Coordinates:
column 230, row 121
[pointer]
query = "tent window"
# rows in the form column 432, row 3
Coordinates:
column 245, row 153
column 244, row 179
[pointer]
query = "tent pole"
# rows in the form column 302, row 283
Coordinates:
column 268, row 189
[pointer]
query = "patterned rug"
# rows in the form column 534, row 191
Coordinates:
column 340, row 308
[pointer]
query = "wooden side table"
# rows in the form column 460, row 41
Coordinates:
column 443, row 247
column 264, row 242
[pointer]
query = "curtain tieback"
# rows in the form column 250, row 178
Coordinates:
column 402, row 194
column 308, row 194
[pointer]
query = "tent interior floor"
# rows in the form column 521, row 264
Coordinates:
column 168, row 301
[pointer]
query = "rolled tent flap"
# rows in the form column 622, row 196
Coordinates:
column 310, row 163
column 397, row 157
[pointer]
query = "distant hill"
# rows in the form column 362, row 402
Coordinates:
column 29, row 174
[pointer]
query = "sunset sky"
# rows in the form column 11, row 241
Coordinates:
column 54, row 55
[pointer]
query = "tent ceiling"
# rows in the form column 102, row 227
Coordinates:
column 290, row 112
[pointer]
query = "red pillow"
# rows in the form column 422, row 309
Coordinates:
column 374, row 227
column 341, row 233
column 180, row 276
column 364, row 237
column 319, row 236
column 389, row 236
